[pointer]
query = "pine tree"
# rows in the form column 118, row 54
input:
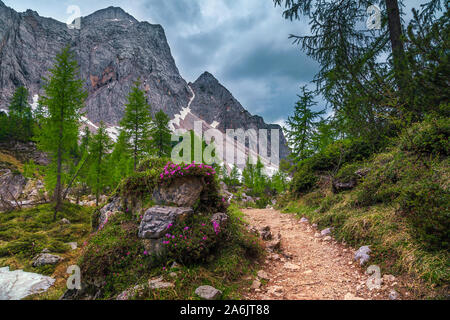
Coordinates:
column 136, row 123
column 121, row 161
column 21, row 116
column 99, row 148
column 160, row 135
column 302, row 125
column 58, row 133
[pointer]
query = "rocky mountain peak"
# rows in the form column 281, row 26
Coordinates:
column 206, row 77
column 109, row 14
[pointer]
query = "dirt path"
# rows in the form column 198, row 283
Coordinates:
column 308, row 267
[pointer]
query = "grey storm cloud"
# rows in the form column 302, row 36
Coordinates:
column 244, row 43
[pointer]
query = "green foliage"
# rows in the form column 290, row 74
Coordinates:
column 193, row 240
column 302, row 126
column 120, row 161
column 136, row 124
column 25, row 233
column 58, row 129
column 161, row 135
column 115, row 256
column 428, row 137
column 20, row 116
column 304, row 180
column 99, row 148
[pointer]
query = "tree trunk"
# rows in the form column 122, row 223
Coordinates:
column 395, row 34
column 58, row 188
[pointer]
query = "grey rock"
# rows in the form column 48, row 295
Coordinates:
column 325, row 232
column 182, row 192
column 393, row 295
column 44, row 259
column 65, row 221
column 156, row 221
column 304, row 220
column 362, row 255
column 220, row 218
column 208, row 293
column 159, row 284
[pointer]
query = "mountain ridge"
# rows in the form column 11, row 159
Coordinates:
column 113, row 49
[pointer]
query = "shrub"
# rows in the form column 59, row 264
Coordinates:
column 304, row 180
column 193, row 240
column 428, row 137
column 425, row 204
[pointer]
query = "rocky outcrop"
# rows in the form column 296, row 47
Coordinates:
column 182, row 192
column 157, row 221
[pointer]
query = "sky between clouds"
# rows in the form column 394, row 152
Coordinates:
column 244, row 43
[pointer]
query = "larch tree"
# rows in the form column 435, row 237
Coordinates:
column 59, row 129
column 161, row 143
column 136, row 123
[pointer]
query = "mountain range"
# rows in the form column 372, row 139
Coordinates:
column 113, row 50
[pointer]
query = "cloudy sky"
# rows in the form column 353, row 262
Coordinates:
column 244, row 43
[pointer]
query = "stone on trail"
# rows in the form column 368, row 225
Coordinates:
column 291, row 266
column 304, row 220
column 44, row 259
column 350, row 296
column 263, row 275
column 208, row 293
column 256, row 284
column 326, row 232
column 362, row 255
column 393, row 295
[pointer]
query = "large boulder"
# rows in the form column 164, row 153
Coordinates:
column 182, row 192
column 157, row 219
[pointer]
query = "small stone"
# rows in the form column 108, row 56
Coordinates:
column 256, row 285
column 46, row 259
column 73, row 245
column 317, row 235
column 327, row 239
column 263, row 275
column 173, row 274
column 304, row 220
column 362, row 255
column 45, row 250
column 388, row 278
column 350, row 296
column 393, row 295
column 159, row 284
column 314, row 226
column 65, row 221
column 291, row 266
column 208, row 293
column 325, row 232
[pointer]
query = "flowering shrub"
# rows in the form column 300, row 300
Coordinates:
column 193, row 240
column 172, row 170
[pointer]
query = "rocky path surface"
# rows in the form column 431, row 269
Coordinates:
column 309, row 267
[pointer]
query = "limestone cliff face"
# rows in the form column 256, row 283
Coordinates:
column 113, row 50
